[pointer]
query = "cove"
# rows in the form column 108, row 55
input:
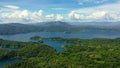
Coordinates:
column 6, row 62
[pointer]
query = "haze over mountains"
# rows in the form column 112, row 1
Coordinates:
column 15, row 28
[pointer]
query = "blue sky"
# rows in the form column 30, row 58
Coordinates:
column 34, row 5
column 48, row 10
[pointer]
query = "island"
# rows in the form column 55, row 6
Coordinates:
column 59, row 39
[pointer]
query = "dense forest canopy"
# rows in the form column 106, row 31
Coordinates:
column 85, row 53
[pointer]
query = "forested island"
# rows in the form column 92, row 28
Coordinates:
column 85, row 53
column 59, row 39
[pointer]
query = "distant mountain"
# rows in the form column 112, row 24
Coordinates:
column 111, row 26
column 55, row 26
column 52, row 23
column 14, row 28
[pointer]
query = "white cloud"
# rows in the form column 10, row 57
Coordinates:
column 26, row 16
column 21, row 16
column 53, row 17
column 81, row 2
column 11, row 6
column 59, row 17
column 108, row 12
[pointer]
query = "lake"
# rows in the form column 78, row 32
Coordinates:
column 83, row 35
column 24, row 37
column 55, row 44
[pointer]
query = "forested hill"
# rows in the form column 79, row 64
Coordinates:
column 85, row 53
column 15, row 28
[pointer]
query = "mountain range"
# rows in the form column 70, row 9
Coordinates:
column 15, row 28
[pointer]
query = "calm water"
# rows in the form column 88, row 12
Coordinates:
column 55, row 44
column 84, row 34
column 6, row 62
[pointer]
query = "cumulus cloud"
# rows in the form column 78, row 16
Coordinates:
column 53, row 17
column 11, row 6
column 26, row 16
column 109, row 12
